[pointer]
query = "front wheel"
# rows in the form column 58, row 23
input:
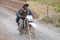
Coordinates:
column 29, row 31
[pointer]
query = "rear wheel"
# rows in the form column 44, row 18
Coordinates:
column 21, row 26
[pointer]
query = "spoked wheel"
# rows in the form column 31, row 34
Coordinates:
column 21, row 30
column 29, row 32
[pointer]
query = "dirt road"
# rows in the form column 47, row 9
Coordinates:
column 8, row 28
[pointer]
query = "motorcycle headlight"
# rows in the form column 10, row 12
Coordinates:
column 29, row 17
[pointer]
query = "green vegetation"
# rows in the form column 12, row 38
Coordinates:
column 57, row 6
column 53, row 20
column 23, row 0
column 57, row 25
column 48, row 20
column 59, row 20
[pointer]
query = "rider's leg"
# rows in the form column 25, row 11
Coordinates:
column 17, row 20
column 26, row 23
column 23, row 24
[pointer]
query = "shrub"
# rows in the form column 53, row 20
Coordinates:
column 59, row 20
column 48, row 20
column 57, row 25
column 58, row 10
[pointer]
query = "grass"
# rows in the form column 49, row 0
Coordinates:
column 53, row 20
column 48, row 20
column 57, row 6
column 59, row 20
column 54, row 3
column 57, row 25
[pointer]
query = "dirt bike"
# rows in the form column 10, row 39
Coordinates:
column 27, row 26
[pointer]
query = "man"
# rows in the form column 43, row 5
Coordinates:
column 23, row 12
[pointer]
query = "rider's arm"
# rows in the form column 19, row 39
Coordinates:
column 19, row 13
column 30, row 13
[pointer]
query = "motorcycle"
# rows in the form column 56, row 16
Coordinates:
column 26, row 26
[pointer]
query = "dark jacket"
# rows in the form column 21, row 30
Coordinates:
column 21, row 10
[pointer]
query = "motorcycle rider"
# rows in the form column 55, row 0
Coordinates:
column 23, row 12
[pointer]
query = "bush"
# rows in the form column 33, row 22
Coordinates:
column 59, row 20
column 58, row 10
column 57, row 6
column 48, row 20
column 57, row 25
column 52, row 5
column 52, row 20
